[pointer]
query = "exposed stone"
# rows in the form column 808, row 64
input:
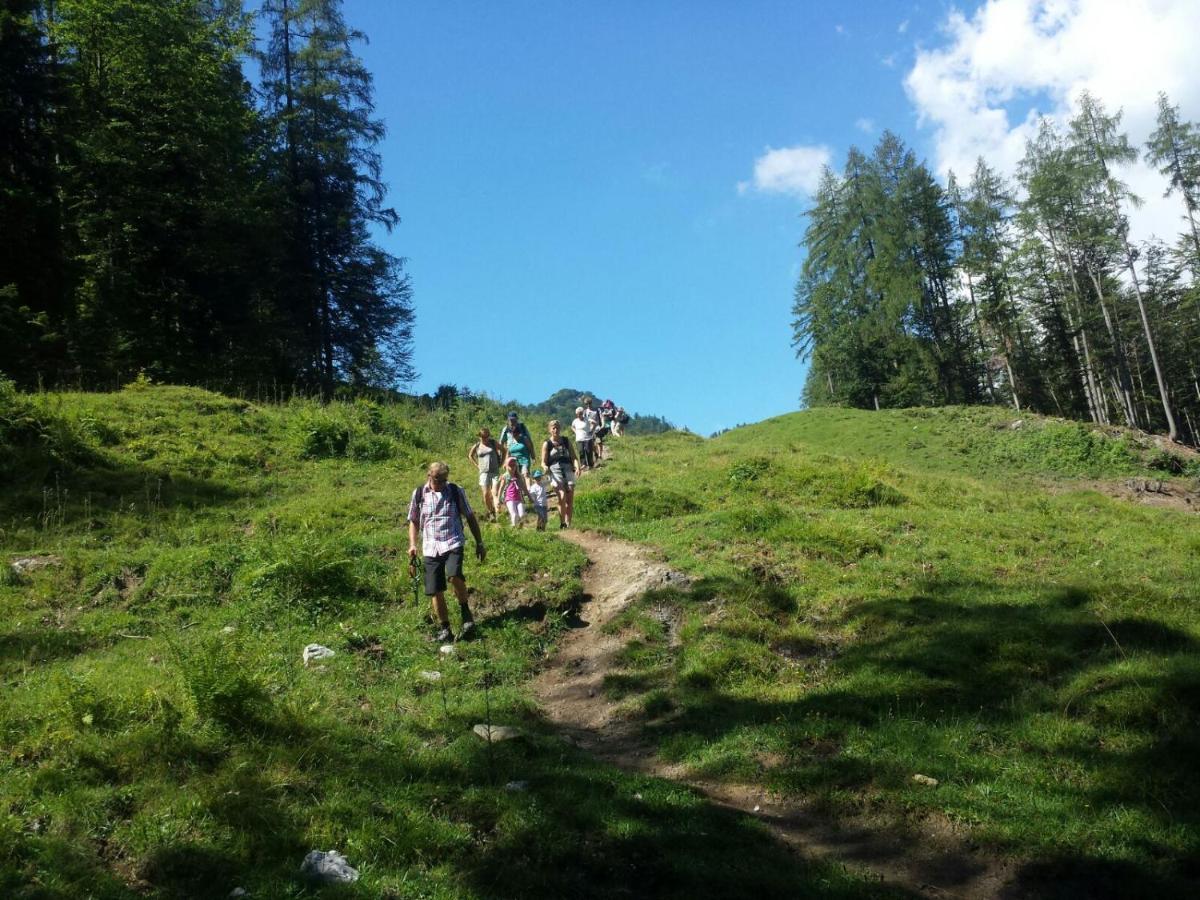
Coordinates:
column 316, row 651
column 25, row 564
column 925, row 780
column 328, row 867
column 496, row 732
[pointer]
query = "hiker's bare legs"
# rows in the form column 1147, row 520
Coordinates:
column 439, row 605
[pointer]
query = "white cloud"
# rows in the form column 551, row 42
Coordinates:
column 1041, row 54
column 840, row 29
column 788, row 170
column 867, row 126
column 902, row 27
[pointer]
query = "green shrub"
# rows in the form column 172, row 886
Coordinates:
column 323, row 436
column 220, row 682
column 749, row 470
column 633, row 506
column 33, row 439
column 306, row 572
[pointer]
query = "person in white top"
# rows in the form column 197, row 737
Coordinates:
column 584, row 436
column 537, row 491
column 593, row 416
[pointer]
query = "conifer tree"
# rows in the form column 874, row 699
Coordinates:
column 350, row 307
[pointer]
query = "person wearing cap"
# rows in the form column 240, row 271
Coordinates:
column 517, row 442
column 560, row 459
column 584, row 435
column 537, row 491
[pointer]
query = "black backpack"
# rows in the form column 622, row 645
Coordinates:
column 455, row 493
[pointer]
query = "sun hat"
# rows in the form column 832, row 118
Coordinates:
column 578, row 410
column 512, row 414
column 537, row 473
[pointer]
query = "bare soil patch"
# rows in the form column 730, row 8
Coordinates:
column 1160, row 493
column 931, row 858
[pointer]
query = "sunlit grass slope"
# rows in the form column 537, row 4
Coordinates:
column 927, row 592
column 160, row 737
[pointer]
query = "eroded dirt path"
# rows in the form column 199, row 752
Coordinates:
column 932, row 861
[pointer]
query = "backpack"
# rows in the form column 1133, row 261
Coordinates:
column 455, row 493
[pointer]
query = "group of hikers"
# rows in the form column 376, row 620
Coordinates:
column 508, row 474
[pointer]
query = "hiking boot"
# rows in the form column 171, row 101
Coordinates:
column 445, row 636
column 468, row 630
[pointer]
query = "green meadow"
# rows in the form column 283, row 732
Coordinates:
column 160, row 736
column 928, row 592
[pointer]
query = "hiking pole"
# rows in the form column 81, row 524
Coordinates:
column 415, row 578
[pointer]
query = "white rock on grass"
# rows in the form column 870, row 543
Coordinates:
column 496, row 732
column 26, row 564
column 316, row 651
column 328, row 867
column 447, row 649
column 925, row 780
column 517, row 787
column 426, row 675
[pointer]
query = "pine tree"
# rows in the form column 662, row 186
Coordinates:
column 1103, row 146
column 350, row 301
column 31, row 290
column 157, row 175
column 1175, row 148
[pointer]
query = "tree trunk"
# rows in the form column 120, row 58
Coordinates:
column 1123, row 228
column 983, row 355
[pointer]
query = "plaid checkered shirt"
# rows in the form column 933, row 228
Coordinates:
column 440, row 523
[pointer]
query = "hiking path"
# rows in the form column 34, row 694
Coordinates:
column 932, row 858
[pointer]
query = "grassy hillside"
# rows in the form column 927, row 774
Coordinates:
column 928, row 592
column 160, row 736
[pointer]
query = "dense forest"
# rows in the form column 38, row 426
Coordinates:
column 1033, row 294
column 163, row 214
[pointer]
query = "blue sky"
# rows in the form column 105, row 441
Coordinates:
column 586, row 190
column 567, row 177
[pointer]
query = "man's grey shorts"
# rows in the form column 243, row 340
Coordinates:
column 439, row 568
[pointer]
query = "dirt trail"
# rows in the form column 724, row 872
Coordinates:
column 933, row 861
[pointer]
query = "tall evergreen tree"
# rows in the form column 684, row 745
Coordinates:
column 31, row 270
column 1102, row 145
column 350, row 306
column 1175, row 148
column 156, row 169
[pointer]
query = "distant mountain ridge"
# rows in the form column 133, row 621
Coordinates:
column 562, row 403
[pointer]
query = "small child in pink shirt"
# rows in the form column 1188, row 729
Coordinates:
column 511, row 488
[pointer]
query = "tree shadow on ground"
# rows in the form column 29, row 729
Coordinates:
column 960, row 652
column 86, row 493
column 426, row 806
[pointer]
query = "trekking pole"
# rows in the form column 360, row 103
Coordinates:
column 415, row 578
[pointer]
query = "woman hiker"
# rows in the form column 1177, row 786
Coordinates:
column 486, row 453
column 559, row 459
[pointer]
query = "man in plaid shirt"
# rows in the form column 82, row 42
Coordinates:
column 437, row 509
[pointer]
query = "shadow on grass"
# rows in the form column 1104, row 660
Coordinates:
column 86, row 493
column 1039, row 685
column 426, row 809
column 44, row 644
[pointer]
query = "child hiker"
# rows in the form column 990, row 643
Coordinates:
column 537, row 491
column 511, row 488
